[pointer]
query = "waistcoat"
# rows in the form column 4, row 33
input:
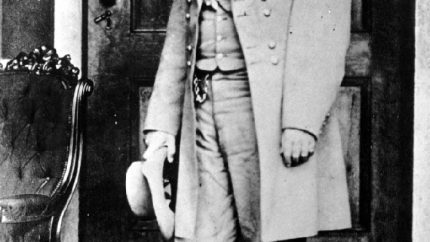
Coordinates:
column 219, row 44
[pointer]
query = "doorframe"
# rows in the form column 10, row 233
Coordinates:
column 421, row 192
column 392, row 114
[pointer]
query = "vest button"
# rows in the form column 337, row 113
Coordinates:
column 267, row 12
column 187, row 16
column 274, row 60
column 189, row 47
column 219, row 55
column 188, row 63
column 272, row 45
column 188, row 1
column 219, row 37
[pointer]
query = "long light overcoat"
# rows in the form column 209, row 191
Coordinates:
column 295, row 56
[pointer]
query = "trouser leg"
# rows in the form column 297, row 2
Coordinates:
column 229, row 191
column 235, row 125
column 215, row 216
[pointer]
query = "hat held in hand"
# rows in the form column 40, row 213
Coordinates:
column 145, row 191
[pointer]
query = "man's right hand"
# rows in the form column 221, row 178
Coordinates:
column 155, row 140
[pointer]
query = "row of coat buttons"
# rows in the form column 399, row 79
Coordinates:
column 189, row 47
column 188, row 15
column 272, row 44
column 219, row 37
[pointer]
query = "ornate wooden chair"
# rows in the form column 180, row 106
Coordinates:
column 41, row 149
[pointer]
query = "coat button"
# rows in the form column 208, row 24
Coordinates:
column 274, row 60
column 189, row 47
column 188, row 63
column 188, row 1
column 267, row 12
column 187, row 16
column 272, row 45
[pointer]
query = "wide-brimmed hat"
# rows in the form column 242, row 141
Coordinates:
column 146, row 193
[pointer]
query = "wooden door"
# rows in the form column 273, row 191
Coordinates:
column 25, row 25
column 374, row 119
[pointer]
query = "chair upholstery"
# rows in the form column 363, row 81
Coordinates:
column 41, row 144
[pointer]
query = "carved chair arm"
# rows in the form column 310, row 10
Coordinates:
column 62, row 194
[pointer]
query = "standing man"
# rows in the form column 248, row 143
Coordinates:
column 245, row 88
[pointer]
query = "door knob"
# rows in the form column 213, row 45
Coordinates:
column 105, row 16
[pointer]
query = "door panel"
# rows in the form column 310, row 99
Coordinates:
column 149, row 16
column 123, row 62
column 25, row 25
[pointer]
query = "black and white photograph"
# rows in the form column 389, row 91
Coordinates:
column 214, row 120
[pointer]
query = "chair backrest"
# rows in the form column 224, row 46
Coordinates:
column 41, row 141
column 35, row 133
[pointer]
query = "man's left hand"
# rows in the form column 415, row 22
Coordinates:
column 297, row 147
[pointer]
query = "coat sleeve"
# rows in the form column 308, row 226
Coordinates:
column 318, row 39
column 165, row 106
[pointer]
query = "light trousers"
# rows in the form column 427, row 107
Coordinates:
column 229, row 191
